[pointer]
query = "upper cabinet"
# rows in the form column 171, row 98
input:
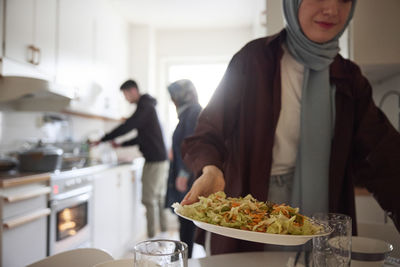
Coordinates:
column 92, row 55
column 81, row 45
column 75, row 42
column 375, row 37
column 30, row 38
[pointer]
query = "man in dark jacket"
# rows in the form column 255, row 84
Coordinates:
column 151, row 143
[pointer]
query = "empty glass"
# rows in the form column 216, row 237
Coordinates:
column 161, row 253
column 335, row 249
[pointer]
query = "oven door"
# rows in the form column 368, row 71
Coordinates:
column 70, row 220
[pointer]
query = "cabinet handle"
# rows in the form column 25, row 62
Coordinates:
column 31, row 54
column 38, row 55
column 9, row 224
column 30, row 194
column 34, row 55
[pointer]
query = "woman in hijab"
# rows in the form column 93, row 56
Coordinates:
column 184, row 95
column 294, row 122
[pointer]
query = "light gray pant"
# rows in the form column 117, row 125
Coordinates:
column 154, row 188
column 280, row 192
column 280, row 188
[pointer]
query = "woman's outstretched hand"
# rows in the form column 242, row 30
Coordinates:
column 211, row 181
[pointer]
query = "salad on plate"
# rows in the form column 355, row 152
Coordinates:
column 247, row 213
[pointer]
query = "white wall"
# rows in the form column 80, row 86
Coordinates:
column 191, row 46
column 275, row 20
column 153, row 49
column 141, row 53
column 17, row 128
column 260, row 19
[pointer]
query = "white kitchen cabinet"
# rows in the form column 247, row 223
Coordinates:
column 375, row 39
column 23, row 232
column 92, row 56
column 113, row 201
column 76, row 45
column 110, row 59
column 30, row 38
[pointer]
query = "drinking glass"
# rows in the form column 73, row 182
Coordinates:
column 335, row 249
column 161, row 253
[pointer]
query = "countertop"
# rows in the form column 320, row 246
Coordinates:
column 16, row 178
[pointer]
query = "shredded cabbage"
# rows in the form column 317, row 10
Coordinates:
column 247, row 213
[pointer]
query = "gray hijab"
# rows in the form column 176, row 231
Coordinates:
column 310, row 190
column 183, row 93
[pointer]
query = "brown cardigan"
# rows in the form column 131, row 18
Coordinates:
column 236, row 130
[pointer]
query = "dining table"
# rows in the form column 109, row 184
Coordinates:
column 267, row 259
column 247, row 259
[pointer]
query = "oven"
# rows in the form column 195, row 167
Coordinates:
column 70, row 220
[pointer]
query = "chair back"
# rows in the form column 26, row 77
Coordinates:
column 81, row 257
column 116, row 263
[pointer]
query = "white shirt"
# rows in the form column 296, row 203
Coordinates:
column 288, row 129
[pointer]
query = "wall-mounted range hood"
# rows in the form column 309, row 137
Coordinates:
column 33, row 94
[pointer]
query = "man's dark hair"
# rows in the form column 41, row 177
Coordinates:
column 129, row 84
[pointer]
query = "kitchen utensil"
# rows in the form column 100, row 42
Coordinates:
column 41, row 158
column 161, row 252
column 369, row 252
column 71, row 161
column 7, row 163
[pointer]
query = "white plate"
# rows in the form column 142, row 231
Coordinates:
column 275, row 239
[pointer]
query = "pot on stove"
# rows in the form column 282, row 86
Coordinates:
column 40, row 158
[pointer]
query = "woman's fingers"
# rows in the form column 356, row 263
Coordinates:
column 204, row 186
column 188, row 199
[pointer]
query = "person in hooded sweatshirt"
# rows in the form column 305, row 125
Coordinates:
column 151, row 143
column 184, row 96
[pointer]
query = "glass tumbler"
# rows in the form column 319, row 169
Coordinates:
column 161, row 253
column 333, row 250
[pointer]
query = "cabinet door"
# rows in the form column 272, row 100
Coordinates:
column 30, row 38
column 75, row 45
column 114, row 210
column 24, row 244
column 45, row 35
column 19, row 29
column 106, row 211
column 127, row 207
column 111, row 58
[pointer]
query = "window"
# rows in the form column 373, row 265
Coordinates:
column 205, row 77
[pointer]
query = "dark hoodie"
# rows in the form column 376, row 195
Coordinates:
column 149, row 137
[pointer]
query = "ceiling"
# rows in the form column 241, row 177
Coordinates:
column 188, row 13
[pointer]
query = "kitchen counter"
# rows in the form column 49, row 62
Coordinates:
column 11, row 179
column 15, row 178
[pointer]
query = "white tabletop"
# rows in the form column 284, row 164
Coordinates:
column 246, row 259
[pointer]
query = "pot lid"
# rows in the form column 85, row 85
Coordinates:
column 46, row 149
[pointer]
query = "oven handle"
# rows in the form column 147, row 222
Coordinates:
column 31, row 194
column 74, row 200
column 72, row 193
column 12, row 223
